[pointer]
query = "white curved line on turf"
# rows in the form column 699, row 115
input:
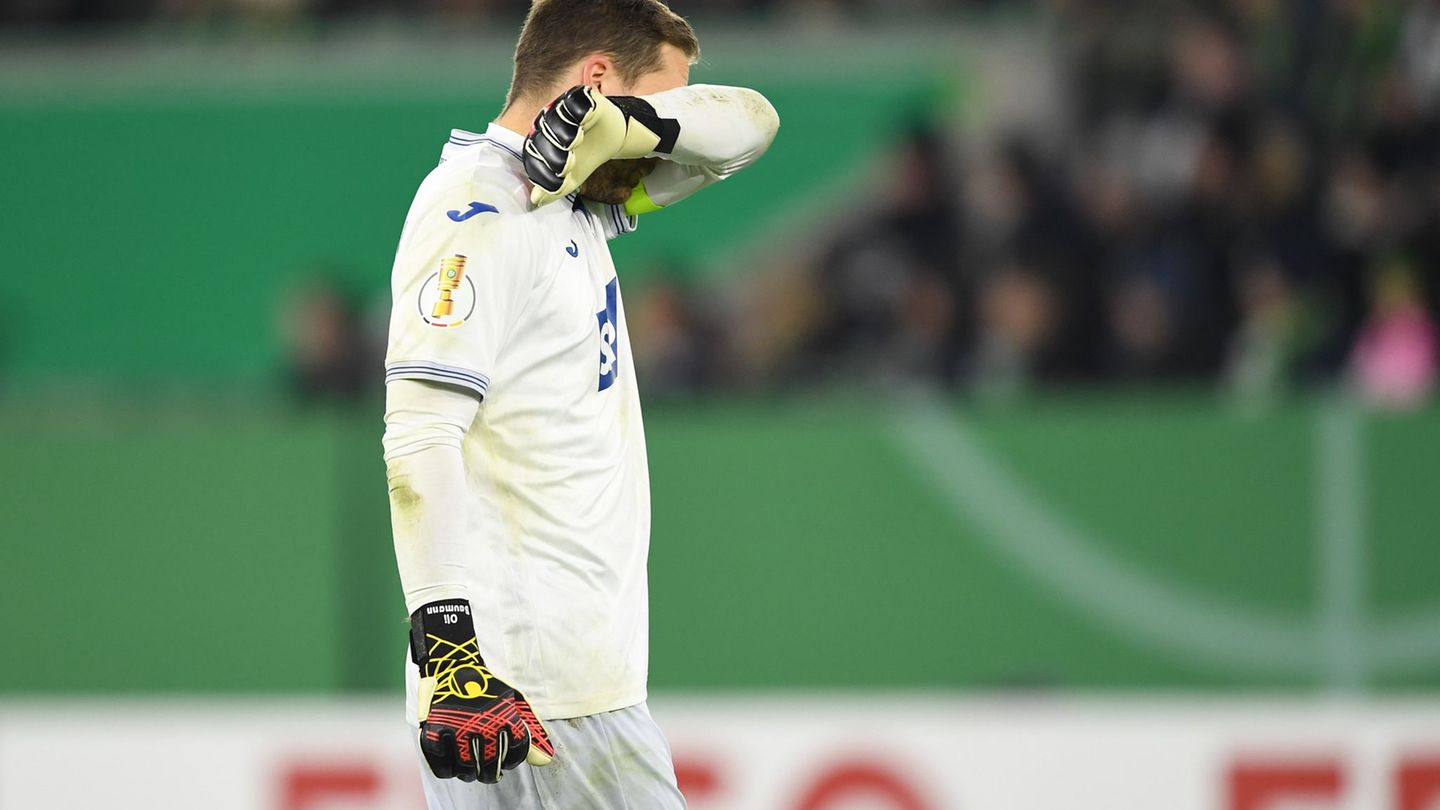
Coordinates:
column 1018, row 526
column 1406, row 644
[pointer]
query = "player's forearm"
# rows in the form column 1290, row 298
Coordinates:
column 722, row 129
column 424, row 426
column 702, row 133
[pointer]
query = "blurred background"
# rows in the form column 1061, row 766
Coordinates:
column 1056, row 397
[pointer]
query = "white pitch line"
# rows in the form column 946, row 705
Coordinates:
column 1407, row 644
column 1217, row 633
column 1340, row 510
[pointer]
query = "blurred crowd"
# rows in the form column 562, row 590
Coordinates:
column 1243, row 193
column 89, row 13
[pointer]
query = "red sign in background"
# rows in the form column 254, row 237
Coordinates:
column 1252, row 784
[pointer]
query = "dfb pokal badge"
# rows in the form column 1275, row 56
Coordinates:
column 447, row 298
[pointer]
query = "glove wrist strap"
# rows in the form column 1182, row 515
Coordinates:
column 645, row 130
column 441, row 627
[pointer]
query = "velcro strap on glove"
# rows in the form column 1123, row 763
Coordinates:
column 448, row 619
column 645, row 130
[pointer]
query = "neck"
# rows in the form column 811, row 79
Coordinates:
column 519, row 116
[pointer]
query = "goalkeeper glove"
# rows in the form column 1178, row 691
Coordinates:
column 582, row 130
column 472, row 724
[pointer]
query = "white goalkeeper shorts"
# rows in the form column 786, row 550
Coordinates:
column 611, row 761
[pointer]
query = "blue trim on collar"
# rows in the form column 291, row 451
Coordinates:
column 491, row 141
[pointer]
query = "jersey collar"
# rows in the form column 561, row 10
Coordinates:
column 496, row 137
column 502, row 139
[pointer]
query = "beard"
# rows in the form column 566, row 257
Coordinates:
column 614, row 181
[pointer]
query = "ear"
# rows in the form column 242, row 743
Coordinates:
column 597, row 69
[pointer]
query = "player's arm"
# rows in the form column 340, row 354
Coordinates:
column 425, row 423
column 447, row 326
column 722, row 131
column 473, row 725
column 702, row 133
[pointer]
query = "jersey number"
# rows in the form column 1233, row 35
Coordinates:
column 609, row 336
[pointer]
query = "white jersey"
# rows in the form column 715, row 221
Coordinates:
column 522, row 306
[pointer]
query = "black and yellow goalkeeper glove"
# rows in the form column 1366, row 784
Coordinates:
column 472, row 724
column 582, row 130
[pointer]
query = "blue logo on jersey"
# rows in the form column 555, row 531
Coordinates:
column 573, row 250
column 475, row 208
column 609, row 336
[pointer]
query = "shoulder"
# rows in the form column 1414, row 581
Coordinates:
column 482, row 203
column 483, row 185
column 477, row 213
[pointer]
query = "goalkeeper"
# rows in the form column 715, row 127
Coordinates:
column 519, row 493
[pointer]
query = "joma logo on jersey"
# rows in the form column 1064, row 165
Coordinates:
column 475, row 208
column 609, row 336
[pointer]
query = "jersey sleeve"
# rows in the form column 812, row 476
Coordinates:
column 722, row 131
column 463, row 273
